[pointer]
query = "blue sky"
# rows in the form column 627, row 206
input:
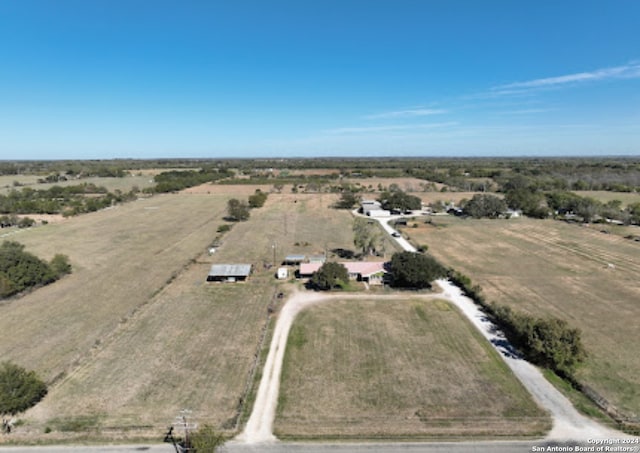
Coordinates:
column 114, row 79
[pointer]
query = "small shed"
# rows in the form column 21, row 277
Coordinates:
column 294, row 259
column 229, row 272
column 282, row 273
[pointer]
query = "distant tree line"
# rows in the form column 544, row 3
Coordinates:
column 67, row 200
column 524, row 194
column 21, row 270
column 176, row 180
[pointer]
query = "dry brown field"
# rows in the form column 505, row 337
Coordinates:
column 135, row 334
column 235, row 190
column 393, row 369
column 546, row 267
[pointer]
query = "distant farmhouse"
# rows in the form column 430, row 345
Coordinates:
column 229, row 272
column 372, row 272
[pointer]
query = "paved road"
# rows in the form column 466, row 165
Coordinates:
column 293, row 447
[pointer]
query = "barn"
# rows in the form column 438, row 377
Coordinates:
column 229, row 272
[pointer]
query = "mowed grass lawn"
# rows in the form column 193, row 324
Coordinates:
column 394, row 369
column 546, row 267
column 135, row 334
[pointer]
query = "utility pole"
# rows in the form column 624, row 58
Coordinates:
column 181, row 422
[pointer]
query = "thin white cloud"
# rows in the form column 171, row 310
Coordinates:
column 524, row 111
column 628, row 71
column 405, row 113
column 388, row 128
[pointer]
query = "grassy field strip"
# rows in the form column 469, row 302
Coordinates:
column 584, row 250
column 124, row 184
column 559, row 269
column 395, row 368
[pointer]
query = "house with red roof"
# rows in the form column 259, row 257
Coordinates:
column 372, row 272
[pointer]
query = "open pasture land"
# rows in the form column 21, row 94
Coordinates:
column 447, row 197
column 547, row 267
column 394, row 369
column 135, row 334
column 234, row 190
column 124, row 184
column 10, row 182
column 605, row 196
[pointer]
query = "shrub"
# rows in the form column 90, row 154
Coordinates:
column 258, row 199
column 19, row 389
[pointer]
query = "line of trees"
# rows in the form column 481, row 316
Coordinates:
column 176, row 180
column 21, row 270
column 68, row 200
column 521, row 194
column 546, row 341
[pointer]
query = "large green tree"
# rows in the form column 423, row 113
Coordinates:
column 330, row 275
column 400, row 201
column 366, row 236
column 237, row 210
column 414, row 270
column 485, row 205
column 348, row 200
column 19, row 389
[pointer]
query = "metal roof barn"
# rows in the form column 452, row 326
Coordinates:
column 229, row 272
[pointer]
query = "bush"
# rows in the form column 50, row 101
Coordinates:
column 258, row 199
column 60, row 265
column 20, row 270
column 19, row 389
column 206, row 440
